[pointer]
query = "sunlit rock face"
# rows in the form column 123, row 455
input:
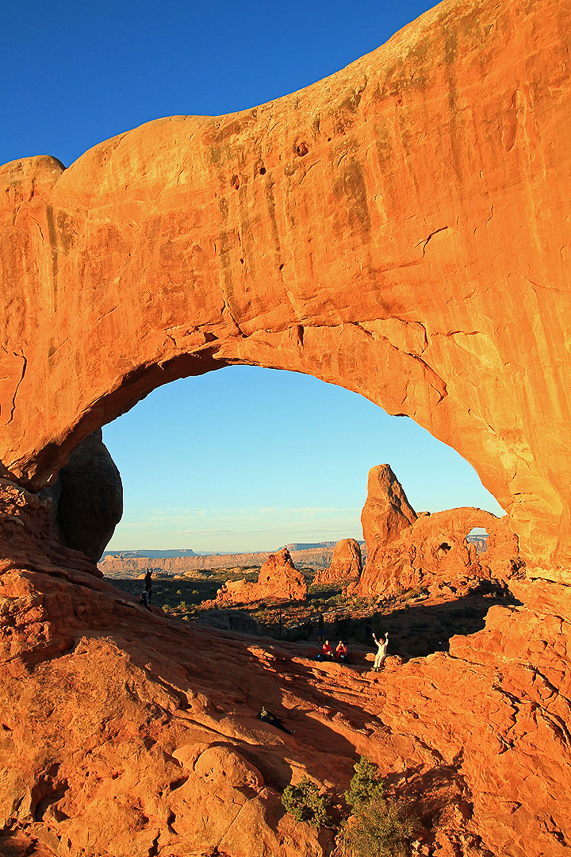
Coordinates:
column 346, row 564
column 406, row 551
column 279, row 580
column 124, row 731
column 386, row 511
column 398, row 229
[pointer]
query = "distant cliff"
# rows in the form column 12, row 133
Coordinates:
column 129, row 565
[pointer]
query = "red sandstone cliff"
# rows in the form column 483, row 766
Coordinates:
column 400, row 229
column 406, row 551
column 346, row 564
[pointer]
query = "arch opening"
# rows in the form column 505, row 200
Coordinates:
column 478, row 536
column 288, row 420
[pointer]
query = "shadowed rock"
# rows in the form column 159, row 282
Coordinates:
column 87, row 499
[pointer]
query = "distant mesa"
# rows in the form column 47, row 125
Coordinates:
column 304, row 546
column 127, row 564
column 150, row 554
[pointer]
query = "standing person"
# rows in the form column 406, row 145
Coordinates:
column 382, row 646
column 320, row 627
column 149, row 584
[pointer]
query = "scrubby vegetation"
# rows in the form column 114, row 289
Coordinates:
column 305, row 803
column 377, row 827
column 365, row 785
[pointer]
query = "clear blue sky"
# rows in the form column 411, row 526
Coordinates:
column 243, row 458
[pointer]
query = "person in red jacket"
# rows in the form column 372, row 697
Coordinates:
column 327, row 651
column 341, row 652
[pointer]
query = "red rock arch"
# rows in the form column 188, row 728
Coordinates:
column 397, row 229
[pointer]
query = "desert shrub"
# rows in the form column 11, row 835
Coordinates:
column 304, row 802
column 365, row 785
column 379, row 828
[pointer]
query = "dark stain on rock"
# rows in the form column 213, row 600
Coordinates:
column 351, row 103
column 52, row 233
column 65, row 231
column 350, row 186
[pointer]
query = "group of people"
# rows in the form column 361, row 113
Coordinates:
column 341, row 652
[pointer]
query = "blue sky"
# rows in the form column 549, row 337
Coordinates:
column 243, row 458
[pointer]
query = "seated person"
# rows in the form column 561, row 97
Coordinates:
column 341, row 652
column 327, row 651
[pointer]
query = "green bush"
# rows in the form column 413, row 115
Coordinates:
column 304, row 802
column 365, row 785
column 379, row 828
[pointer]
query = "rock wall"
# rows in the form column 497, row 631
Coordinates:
column 433, row 553
column 399, row 229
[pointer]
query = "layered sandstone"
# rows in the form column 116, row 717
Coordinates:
column 386, row 511
column 279, row 580
column 406, row 551
column 346, row 564
column 399, row 229
column 140, row 733
column 434, row 553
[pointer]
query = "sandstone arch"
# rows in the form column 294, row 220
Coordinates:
column 398, row 229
